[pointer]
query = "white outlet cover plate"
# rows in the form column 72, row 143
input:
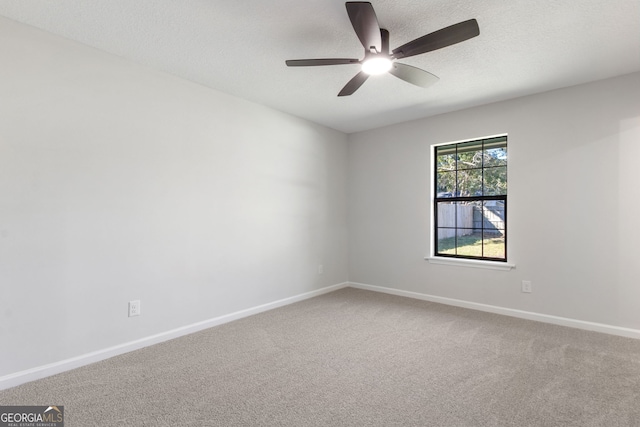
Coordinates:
column 134, row 308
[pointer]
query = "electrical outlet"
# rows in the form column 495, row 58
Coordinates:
column 320, row 269
column 134, row 308
column 526, row 286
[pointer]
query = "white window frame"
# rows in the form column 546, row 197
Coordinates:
column 461, row 262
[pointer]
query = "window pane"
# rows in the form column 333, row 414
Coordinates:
column 470, row 155
column 465, row 242
column 446, row 186
column 456, row 214
column 470, row 182
column 464, row 212
column 446, row 158
column 446, row 162
column 446, row 215
column 493, row 217
column 469, row 243
column 494, row 246
column 495, row 157
column 477, row 217
column 446, row 241
column 495, row 181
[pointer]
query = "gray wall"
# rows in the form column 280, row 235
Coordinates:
column 574, row 204
column 119, row 183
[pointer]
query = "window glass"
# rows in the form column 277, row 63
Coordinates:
column 470, row 203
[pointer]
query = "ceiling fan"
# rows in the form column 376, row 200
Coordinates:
column 378, row 60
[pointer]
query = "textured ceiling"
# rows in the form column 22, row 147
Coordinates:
column 239, row 47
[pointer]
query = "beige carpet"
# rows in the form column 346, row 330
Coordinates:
column 358, row 358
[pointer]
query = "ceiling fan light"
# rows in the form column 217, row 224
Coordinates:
column 375, row 66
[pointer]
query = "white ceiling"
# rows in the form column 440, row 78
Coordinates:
column 239, row 47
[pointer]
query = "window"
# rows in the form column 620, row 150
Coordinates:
column 470, row 203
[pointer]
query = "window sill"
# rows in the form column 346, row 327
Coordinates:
column 490, row 265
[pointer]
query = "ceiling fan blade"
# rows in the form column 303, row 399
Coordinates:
column 365, row 23
column 442, row 38
column 354, row 84
column 413, row 75
column 314, row 62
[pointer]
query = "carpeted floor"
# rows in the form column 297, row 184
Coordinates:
column 358, row 358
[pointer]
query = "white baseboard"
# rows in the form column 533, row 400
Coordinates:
column 546, row 318
column 39, row 372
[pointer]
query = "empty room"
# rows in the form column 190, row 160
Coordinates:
column 319, row 213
